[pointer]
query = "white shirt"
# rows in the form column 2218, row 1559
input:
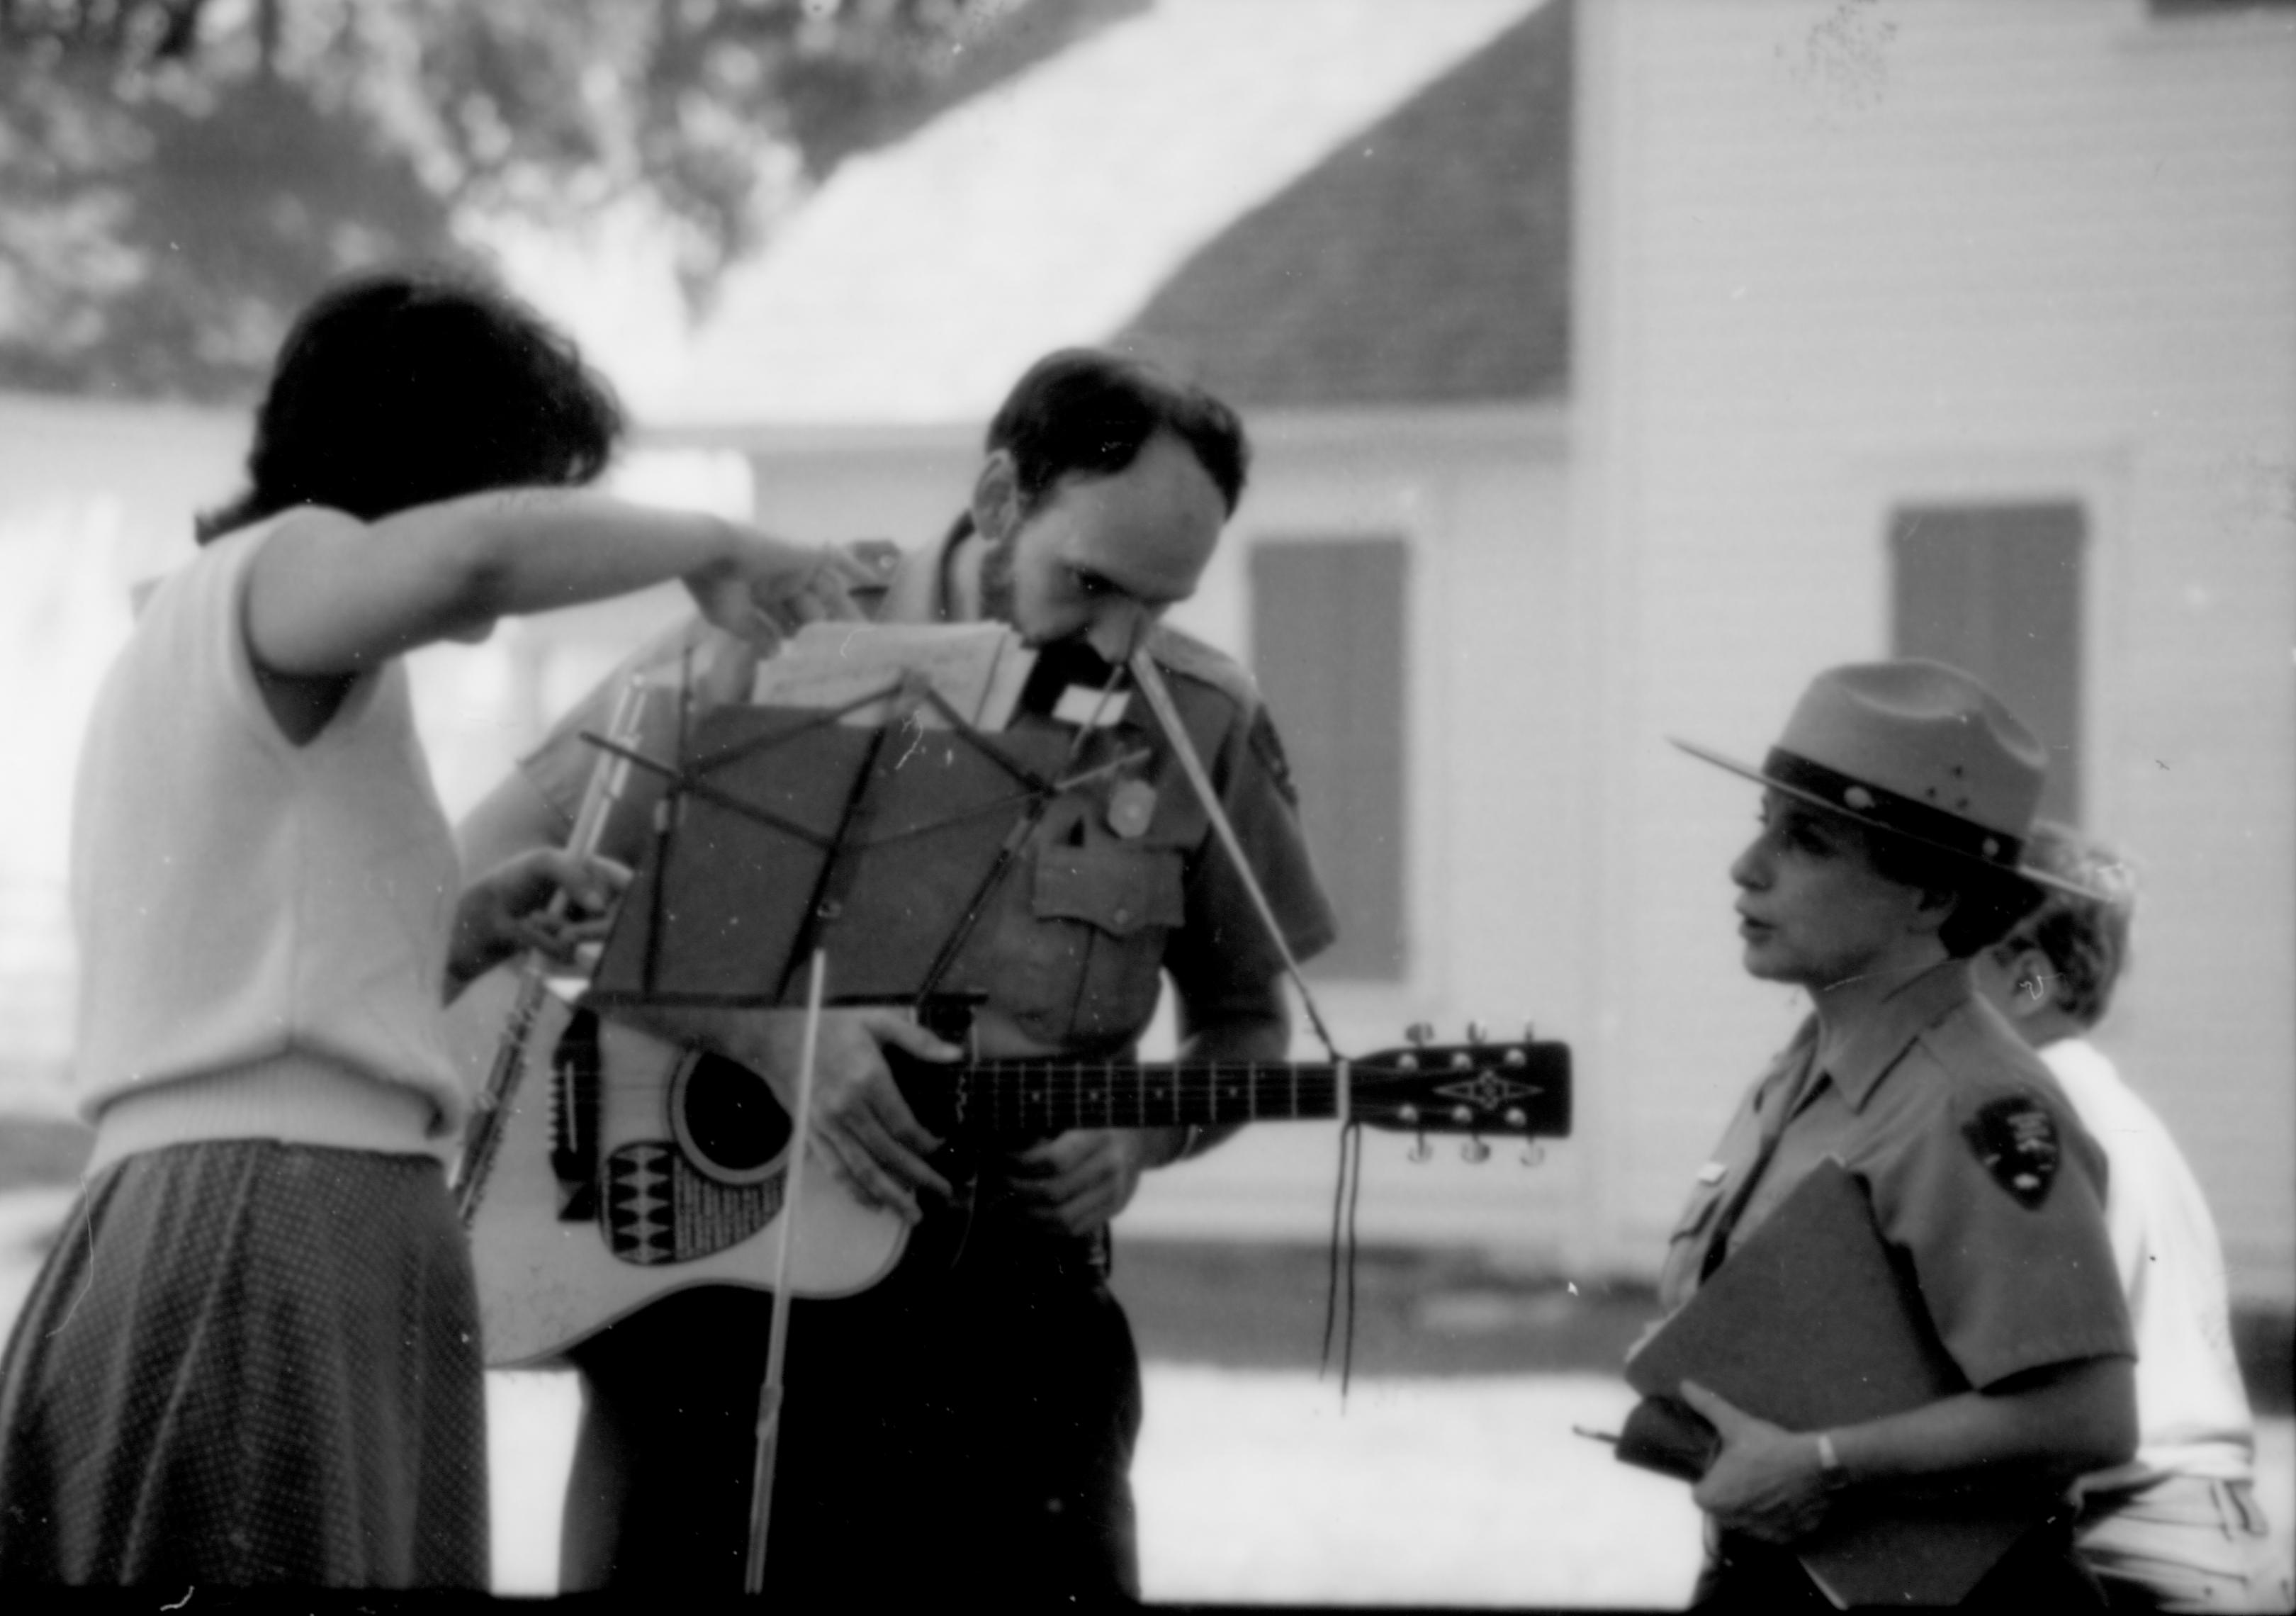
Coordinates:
column 2192, row 1410
column 262, row 926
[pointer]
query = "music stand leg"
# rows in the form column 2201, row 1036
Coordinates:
column 769, row 1396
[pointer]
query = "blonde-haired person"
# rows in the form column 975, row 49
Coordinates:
column 252, row 1357
column 2178, row 1527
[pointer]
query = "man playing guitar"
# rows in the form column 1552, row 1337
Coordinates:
column 969, row 1427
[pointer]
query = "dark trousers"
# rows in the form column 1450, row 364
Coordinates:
column 972, row 1435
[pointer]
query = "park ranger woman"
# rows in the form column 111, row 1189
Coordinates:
column 1888, row 854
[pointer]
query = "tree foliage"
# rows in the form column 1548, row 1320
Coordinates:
column 178, row 176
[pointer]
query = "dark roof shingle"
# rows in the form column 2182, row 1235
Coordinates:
column 1426, row 260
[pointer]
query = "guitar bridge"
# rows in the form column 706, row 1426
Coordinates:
column 575, row 1065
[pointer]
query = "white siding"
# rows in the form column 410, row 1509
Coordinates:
column 93, row 497
column 1839, row 255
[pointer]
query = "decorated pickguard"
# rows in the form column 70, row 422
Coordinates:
column 659, row 1208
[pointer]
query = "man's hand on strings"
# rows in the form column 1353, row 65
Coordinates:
column 1078, row 1181
column 862, row 1130
column 508, row 910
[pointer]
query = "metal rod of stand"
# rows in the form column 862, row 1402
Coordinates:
column 769, row 1396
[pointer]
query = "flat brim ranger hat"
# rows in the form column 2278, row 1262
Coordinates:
column 1919, row 750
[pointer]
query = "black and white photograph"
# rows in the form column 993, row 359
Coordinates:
column 1192, row 803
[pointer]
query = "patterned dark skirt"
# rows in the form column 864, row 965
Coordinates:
column 249, row 1363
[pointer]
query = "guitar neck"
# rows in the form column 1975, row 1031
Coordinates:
column 1044, row 1096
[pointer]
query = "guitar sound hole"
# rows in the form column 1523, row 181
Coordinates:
column 729, row 1119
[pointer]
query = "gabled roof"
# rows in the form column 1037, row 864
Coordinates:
column 923, row 278
column 1425, row 261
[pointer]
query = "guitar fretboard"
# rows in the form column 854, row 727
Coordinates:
column 1051, row 1096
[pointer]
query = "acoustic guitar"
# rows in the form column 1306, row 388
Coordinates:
column 625, row 1167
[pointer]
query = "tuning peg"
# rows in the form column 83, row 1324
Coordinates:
column 1421, row 1150
column 1477, row 1033
column 1533, row 1154
column 1530, row 1033
column 1475, row 1151
column 1513, row 1058
column 1419, row 1034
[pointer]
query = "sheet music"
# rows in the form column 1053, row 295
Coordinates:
column 978, row 668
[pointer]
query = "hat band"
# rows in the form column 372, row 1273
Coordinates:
column 1893, row 812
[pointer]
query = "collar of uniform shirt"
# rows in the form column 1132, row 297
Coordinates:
column 1895, row 1022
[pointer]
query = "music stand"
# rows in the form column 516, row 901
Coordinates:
column 781, row 831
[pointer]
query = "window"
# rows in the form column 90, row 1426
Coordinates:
column 1996, row 589
column 1327, row 638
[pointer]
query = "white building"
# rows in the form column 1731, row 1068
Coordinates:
column 1610, row 372
column 1950, row 328
column 1957, row 327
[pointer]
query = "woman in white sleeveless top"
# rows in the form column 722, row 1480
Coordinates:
column 254, row 1354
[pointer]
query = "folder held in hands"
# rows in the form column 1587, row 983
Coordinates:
column 1811, row 1325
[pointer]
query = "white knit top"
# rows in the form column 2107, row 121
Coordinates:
column 2192, row 1417
column 262, row 926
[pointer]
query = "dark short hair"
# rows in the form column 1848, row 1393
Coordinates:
column 1084, row 412
column 1991, row 901
column 2085, row 939
column 396, row 388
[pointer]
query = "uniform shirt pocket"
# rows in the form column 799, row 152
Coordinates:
column 1100, row 912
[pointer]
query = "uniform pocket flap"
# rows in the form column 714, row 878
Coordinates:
column 1117, row 887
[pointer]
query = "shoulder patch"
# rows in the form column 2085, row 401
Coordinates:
column 1268, row 748
column 2015, row 1138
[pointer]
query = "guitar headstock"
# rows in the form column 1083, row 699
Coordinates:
column 1520, row 1090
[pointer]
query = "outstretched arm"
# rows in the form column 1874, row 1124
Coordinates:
column 331, row 595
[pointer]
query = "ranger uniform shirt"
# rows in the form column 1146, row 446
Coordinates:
column 1979, row 1174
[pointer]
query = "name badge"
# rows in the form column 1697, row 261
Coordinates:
column 1132, row 808
column 1087, row 708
